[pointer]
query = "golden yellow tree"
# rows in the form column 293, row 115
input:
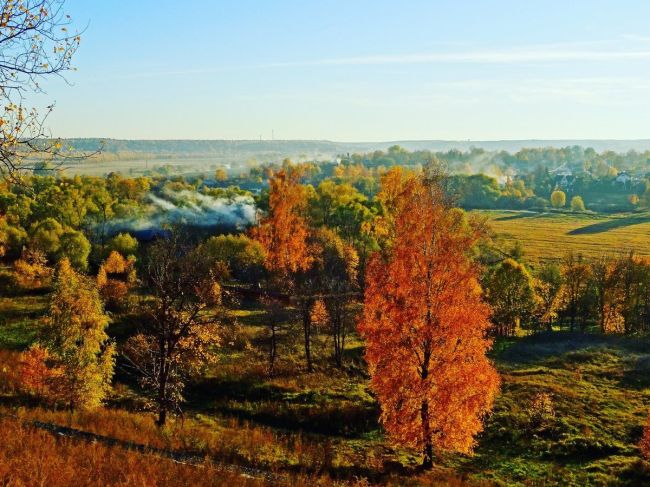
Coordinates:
column 425, row 325
column 75, row 336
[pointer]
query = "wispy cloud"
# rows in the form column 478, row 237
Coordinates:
column 610, row 51
column 505, row 56
column 636, row 37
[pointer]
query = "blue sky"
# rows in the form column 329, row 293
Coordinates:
column 357, row 70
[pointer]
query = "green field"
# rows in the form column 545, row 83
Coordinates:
column 550, row 235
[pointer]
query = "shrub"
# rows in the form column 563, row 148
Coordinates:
column 541, row 413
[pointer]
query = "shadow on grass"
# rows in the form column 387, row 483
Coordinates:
column 537, row 348
column 637, row 376
column 517, row 216
column 611, row 224
column 270, row 405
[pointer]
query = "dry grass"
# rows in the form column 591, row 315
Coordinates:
column 32, row 457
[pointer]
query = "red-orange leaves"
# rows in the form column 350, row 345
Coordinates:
column 283, row 234
column 425, row 326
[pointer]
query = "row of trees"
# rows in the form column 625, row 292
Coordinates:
column 611, row 293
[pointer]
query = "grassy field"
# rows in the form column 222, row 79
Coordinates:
column 321, row 428
column 551, row 235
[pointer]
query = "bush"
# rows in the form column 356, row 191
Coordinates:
column 541, row 411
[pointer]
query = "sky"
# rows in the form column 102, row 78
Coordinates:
column 356, row 70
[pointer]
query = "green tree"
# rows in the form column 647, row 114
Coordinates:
column 242, row 256
column 124, row 244
column 75, row 335
column 46, row 236
column 75, row 247
column 510, row 291
column 12, row 238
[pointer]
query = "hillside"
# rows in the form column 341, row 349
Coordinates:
column 321, row 427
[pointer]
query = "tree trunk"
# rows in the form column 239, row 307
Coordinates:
column 162, row 416
column 306, row 326
column 337, row 340
column 427, row 458
column 162, row 386
column 272, row 350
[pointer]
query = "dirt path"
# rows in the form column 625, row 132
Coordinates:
column 195, row 459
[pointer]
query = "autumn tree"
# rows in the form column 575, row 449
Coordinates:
column 284, row 231
column 116, row 276
column 510, row 291
column 548, row 288
column 221, row 174
column 180, row 333
column 39, row 378
column 576, row 277
column 284, row 235
column 577, row 204
column 425, row 325
column 31, row 270
column 330, row 283
column 36, row 43
column 635, row 292
column 75, row 336
column 558, row 199
column 607, row 278
column 337, row 264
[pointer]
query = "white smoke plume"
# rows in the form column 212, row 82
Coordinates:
column 190, row 208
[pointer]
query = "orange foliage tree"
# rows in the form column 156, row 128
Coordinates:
column 284, row 235
column 425, row 324
column 116, row 276
column 284, row 232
